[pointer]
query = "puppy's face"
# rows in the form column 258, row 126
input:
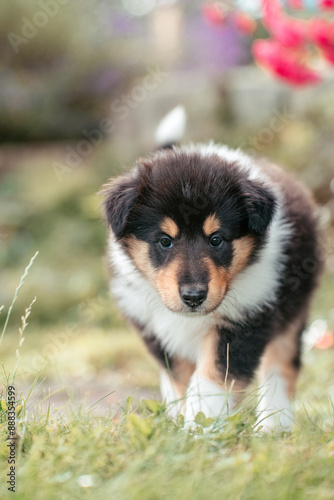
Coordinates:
column 190, row 224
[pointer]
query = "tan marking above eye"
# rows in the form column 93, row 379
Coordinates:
column 169, row 227
column 211, row 224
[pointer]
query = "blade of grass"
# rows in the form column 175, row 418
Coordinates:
column 27, row 269
column 21, row 331
column 101, row 399
column 35, row 381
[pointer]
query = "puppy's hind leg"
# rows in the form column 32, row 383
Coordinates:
column 278, row 375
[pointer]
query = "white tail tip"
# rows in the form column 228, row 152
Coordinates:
column 172, row 127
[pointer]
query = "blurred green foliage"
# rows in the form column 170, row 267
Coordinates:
column 60, row 63
column 62, row 220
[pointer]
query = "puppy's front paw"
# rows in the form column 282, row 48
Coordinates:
column 204, row 396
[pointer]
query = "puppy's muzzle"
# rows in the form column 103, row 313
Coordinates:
column 193, row 295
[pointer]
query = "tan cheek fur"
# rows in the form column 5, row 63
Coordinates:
column 220, row 278
column 167, row 285
column 139, row 252
column 217, row 284
column 164, row 280
column 242, row 249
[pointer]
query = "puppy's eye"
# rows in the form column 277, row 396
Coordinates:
column 166, row 242
column 215, row 241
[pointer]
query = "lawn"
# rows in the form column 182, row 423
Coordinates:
column 139, row 453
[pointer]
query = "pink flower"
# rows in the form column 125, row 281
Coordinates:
column 243, row 22
column 214, row 13
column 283, row 63
column 290, row 32
column 270, row 10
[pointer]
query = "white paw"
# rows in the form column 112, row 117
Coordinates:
column 206, row 397
column 274, row 406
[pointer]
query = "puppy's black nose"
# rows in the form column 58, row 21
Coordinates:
column 193, row 296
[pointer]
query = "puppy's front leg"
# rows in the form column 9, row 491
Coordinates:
column 208, row 392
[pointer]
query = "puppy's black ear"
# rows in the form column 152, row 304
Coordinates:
column 120, row 197
column 260, row 206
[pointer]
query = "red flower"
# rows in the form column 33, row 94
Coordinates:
column 283, row 63
column 290, row 32
column 326, row 4
column 243, row 22
column 214, row 13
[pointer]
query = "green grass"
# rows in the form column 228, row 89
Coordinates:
column 144, row 455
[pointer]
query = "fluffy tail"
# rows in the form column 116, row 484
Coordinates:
column 171, row 128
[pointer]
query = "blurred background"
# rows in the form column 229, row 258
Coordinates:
column 82, row 88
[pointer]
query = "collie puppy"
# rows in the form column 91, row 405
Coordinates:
column 214, row 258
